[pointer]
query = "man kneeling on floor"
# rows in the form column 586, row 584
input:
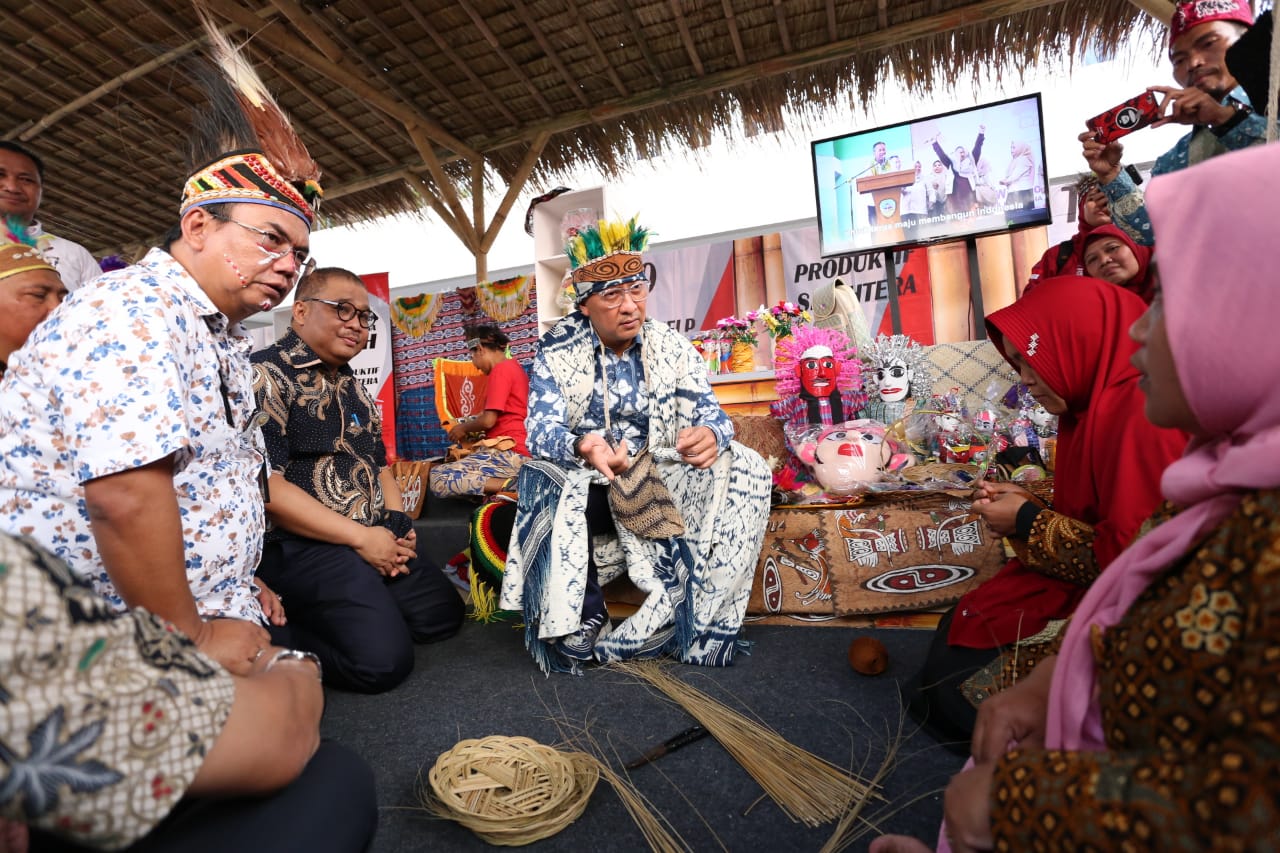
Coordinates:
column 689, row 512
column 340, row 552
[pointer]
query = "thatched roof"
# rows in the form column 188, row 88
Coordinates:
column 96, row 86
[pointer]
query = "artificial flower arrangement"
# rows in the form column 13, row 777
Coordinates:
column 780, row 320
column 737, row 330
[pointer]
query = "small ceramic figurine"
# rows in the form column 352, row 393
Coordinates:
column 848, row 457
column 898, row 373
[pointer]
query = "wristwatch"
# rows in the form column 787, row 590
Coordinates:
column 1241, row 112
column 295, row 654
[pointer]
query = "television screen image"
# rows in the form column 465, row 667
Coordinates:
column 944, row 177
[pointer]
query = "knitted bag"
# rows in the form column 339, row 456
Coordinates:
column 642, row 503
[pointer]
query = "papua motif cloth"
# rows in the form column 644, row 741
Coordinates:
column 696, row 585
column 504, row 299
column 414, row 315
column 105, row 718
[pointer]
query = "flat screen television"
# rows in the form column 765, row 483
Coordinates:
column 972, row 171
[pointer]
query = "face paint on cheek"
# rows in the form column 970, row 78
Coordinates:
column 265, row 305
column 268, row 258
column 244, row 282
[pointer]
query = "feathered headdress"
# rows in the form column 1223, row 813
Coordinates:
column 244, row 148
column 788, row 352
column 604, row 254
column 19, row 251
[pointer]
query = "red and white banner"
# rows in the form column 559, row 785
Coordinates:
column 692, row 286
column 806, row 271
column 373, row 365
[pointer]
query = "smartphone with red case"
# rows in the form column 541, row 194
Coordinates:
column 1125, row 118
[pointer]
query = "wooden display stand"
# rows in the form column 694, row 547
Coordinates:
column 886, row 191
column 550, row 262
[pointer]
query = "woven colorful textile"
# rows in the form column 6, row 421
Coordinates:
column 418, row 431
column 460, row 387
column 490, row 535
column 504, row 299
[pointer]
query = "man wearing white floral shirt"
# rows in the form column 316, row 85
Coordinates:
column 127, row 428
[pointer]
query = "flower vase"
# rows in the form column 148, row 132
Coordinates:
column 742, row 358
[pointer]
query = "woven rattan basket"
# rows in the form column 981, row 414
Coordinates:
column 511, row 790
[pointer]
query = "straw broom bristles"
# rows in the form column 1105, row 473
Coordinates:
column 807, row 788
column 655, row 827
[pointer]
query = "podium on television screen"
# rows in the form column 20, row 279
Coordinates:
column 886, row 193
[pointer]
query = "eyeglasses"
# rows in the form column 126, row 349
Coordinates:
column 276, row 247
column 345, row 311
column 611, row 297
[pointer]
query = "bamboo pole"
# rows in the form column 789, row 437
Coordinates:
column 477, row 220
column 518, row 180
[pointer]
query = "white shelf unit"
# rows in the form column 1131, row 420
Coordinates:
column 549, row 261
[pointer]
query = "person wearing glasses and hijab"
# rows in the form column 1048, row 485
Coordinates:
column 340, row 550
column 126, row 421
column 607, row 384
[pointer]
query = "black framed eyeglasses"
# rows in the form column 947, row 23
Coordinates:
column 275, row 247
column 345, row 311
column 638, row 290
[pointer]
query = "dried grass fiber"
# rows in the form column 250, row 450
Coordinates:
column 510, row 791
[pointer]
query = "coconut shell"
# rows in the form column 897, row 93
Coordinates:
column 868, row 656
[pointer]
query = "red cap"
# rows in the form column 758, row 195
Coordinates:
column 1196, row 12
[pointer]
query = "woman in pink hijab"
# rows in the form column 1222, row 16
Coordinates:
column 1158, row 724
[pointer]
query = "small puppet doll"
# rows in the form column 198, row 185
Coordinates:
column 847, row 458
column 897, row 374
column 819, row 382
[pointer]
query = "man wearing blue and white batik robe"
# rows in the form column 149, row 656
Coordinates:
column 605, row 384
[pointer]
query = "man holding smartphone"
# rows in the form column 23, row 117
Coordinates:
column 1210, row 100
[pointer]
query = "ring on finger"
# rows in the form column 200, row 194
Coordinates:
column 261, row 652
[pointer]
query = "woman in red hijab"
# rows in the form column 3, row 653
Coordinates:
column 1069, row 341
column 1067, row 258
column 1111, row 255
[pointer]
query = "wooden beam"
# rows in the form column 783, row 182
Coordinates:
column 1161, row 10
column 106, row 89
column 832, row 31
column 368, row 182
column 953, row 19
column 64, row 54
column 464, row 234
column 477, row 219
column 638, row 40
column 311, row 31
column 882, row 14
column 477, row 203
column 348, row 79
column 297, row 85
column 518, row 180
column 686, row 37
column 444, row 186
column 458, row 63
column 477, row 20
column 589, row 39
column 549, row 50
column 734, row 36
column 784, row 35
column 412, row 58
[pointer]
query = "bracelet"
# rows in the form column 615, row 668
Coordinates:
column 295, row 654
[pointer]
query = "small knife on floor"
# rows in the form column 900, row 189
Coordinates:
column 685, row 738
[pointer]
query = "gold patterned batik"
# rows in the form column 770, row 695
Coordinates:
column 1189, row 687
